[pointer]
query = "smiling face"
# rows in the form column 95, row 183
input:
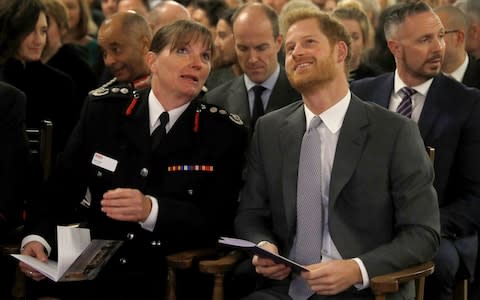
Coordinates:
column 32, row 45
column 418, row 47
column 179, row 73
column 123, row 50
column 309, row 57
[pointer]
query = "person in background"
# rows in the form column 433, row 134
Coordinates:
column 320, row 168
column 50, row 92
column 166, row 12
column 141, row 7
column 264, row 86
column 81, row 32
column 109, row 7
column 457, row 63
column 448, row 116
column 207, row 12
column 13, row 176
column 227, row 66
column 175, row 185
column 66, row 57
column 472, row 10
column 358, row 25
column 124, row 40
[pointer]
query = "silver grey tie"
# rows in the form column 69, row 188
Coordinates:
column 308, row 242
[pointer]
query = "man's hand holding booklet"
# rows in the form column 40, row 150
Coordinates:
column 256, row 250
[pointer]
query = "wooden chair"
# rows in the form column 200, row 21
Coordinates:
column 390, row 283
column 205, row 261
column 40, row 146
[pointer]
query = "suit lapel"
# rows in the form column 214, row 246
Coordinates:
column 176, row 139
column 238, row 100
column 349, row 148
column 383, row 93
column 431, row 107
column 136, row 126
column 290, row 144
column 282, row 93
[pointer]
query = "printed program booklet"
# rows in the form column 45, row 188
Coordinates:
column 254, row 249
column 79, row 257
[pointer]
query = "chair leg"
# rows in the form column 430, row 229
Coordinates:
column 171, row 285
column 19, row 289
column 420, row 288
column 460, row 291
column 218, row 292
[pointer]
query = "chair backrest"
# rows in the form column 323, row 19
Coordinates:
column 40, row 144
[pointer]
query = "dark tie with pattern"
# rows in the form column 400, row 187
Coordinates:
column 159, row 133
column 405, row 107
column 308, row 241
column 257, row 104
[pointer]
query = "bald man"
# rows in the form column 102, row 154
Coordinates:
column 457, row 63
column 141, row 7
column 166, row 12
column 125, row 39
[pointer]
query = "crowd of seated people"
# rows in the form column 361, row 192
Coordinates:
column 60, row 56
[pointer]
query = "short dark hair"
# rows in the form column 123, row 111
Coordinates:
column 179, row 34
column 269, row 12
column 212, row 8
column 398, row 12
column 17, row 20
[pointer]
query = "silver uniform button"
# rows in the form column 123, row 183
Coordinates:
column 123, row 260
column 99, row 174
column 156, row 243
column 115, row 90
column 144, row 172
column 130, row 236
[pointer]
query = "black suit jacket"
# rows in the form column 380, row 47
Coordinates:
column 472, row 73
column 195, row 206
column 13, row 156
column 450, row 123
column 233, row 96
column 50, row 95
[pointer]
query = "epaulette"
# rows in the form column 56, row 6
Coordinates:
column 101, row 90
column 116, row 91
column 222, row 112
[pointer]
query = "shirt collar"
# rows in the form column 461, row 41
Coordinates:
column 268, row 84
column 422, row 88
column 332, row 117
column 460, row 71
column 155, row 109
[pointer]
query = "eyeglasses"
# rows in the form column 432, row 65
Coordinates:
column 451, row 31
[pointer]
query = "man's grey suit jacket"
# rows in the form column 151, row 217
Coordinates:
column 233, row 96
column 382, row 205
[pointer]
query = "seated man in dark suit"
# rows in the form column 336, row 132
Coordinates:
column 339, row 185
column 13, row 163
column 456, row 62
column 264, row 86
column 448, row 115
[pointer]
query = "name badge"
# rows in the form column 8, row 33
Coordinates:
column 104, row 162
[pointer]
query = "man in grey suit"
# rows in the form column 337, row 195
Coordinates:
column 257, row 43
column 374, row 193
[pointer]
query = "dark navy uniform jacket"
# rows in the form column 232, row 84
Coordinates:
column 195, row 174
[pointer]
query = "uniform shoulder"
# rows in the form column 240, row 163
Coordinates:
column 106, row 92
column 219, row 114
